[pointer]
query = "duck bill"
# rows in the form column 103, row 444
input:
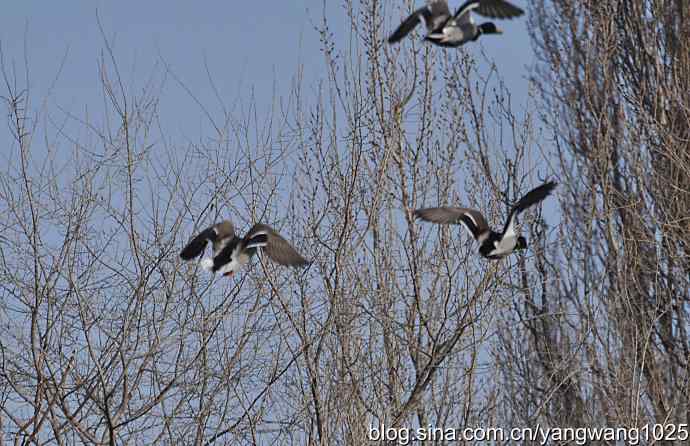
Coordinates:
column 499, row 31
column 228, row 274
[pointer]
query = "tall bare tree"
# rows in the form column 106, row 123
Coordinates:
column 604, row 340
column 108, row 338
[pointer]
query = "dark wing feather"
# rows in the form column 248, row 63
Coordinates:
column 197, row 245
column 498, row 9
column 532, row 197
column 407, row 25
column 439, row 13
column 434, row 14
column 277, row 248
column 473, row 220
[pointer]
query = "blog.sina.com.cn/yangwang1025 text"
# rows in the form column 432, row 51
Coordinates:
column 543, row 435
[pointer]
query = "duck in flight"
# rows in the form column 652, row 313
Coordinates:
column 231, row 252
column 492, row 245
column 454, row 30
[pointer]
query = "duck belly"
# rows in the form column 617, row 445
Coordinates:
column 503, row 247
column 238, row 259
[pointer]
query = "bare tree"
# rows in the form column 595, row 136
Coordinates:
column 109, row 338
column 604, row 340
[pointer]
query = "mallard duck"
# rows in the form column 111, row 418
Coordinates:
column 231, row 252
column 492, row 245
column 460, row 28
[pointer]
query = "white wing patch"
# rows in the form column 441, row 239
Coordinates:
column 469, row 231
column 471, row 217
column 207, row 264
column 256, row 245
column 473, row 5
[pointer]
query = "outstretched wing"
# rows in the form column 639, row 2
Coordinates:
column 532, row 197
column 471, row 219
column 197, row 245
column 276, row 247
column 212, row 234
column 433, row 14
column 497, row 9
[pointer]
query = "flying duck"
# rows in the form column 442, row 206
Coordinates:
column 231, row 252
column 492, row 245
column 434, row 15
column 460, row 28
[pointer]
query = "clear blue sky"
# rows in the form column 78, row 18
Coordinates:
column 247, row 45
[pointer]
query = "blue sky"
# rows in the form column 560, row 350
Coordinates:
column 246, row 46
